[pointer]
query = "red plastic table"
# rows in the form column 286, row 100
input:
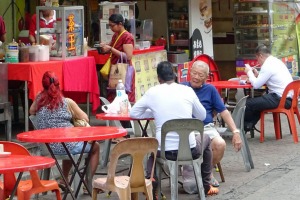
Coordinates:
column 72, row 134
column 229, row 84
column 22, row 163
column 232, row 85
column 121, row 117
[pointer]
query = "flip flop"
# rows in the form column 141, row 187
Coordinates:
column 214, row 182
column 212, row 191
column 62, row 186
column 99, row 191
column 117, row 140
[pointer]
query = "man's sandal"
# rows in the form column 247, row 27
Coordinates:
column 214, row 182
column 212, row 191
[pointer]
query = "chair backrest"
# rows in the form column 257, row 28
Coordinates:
column 32, row 118
column 42, row 147
column 238, row 112
column 214, row 74
column 183, row 127
column 138, row 148
column 292, row 86
column 9, row 178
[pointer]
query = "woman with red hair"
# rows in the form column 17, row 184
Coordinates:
column 52, row 111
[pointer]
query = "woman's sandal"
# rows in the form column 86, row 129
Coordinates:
column 62, row 185
column 117, row 140
column 212, row 191
column 85, row 191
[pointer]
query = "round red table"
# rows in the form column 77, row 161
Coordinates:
column 72, row 134
column 229, row 84
column 122, row 117
column 22, row 163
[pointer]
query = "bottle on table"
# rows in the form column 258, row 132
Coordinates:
column 172, row 38
column 122, row 96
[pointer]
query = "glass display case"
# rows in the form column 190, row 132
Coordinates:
column 66, row 37
column 265, row 22
column 178, row 25
column 127, row 9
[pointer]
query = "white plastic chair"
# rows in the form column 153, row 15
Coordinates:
column 238, row 118
column 183, row 127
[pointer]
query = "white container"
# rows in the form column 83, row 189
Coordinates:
column 44, row 53
column 12, row 52
column 34, row 53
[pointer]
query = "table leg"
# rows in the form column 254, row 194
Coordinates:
column 76, row 167
column 13, row 192
column 61, row 172
column 85, row 169
column 88, row 105
column 144, row 129
column 26, row 106
column 105, row 155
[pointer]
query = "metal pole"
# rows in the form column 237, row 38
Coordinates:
column 13, row 16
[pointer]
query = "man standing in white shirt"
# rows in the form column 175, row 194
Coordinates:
column 170, row 100
column 275, row 75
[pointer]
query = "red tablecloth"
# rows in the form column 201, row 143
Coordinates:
column 80, row 77
column 99, row 58
column 77, row 77
column 102, row 58
column 32, row 72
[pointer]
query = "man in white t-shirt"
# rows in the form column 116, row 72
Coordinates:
column 170, row 100
column 275, row 75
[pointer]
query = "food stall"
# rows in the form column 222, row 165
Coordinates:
column 145, row 57
column 76, row 72
column 67, row 36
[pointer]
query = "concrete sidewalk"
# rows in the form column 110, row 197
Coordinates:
column 276, row 175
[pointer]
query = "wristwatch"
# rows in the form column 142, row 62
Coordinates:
column 236, row 131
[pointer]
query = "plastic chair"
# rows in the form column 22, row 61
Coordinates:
column 46, row 172
column 129, row 186
column 293, row 86
column 6, row 117
column 29, row 187
column 183, row 127
column 238, row 118
column 214, row 74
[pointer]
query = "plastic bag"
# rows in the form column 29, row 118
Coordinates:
column 189, row 181
column 129, row 77
column 114, row 107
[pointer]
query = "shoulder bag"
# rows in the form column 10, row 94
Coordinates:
column 104, row 71
column 76, row 122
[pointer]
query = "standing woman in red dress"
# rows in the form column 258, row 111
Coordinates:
column 124, row 46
